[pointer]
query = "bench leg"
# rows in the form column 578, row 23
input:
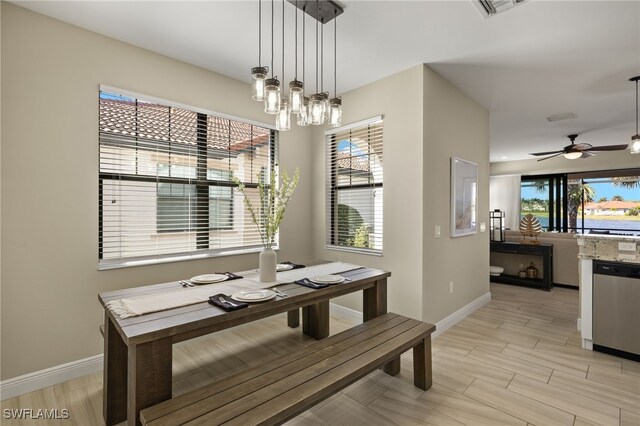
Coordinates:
column 293, row 318
column 315, row 320
column 422, row 374
column 392, row 368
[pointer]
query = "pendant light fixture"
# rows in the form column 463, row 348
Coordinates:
column 304, row 115
column 634, row 146
column 335, row 103
column 316, row 101
column 315, row 109
column 272, row 85
column 296, row 87
column 259, row 73
column 283, row 119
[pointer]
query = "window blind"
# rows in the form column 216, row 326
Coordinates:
column 165, row 181
column 354, row 188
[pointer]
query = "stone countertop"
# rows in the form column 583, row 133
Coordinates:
column 632, row 238
column 609, row 247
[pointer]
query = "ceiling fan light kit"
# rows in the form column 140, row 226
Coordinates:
column 317, row 108
column 574, row 150
column 634, row 146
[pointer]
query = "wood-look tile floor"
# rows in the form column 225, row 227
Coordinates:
column 515, row 361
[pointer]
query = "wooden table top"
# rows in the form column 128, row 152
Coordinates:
column 191, row 321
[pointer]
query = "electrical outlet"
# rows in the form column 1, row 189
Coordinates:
column 436, row 231
column 627, row 246
column 451, row 287
column 483, row 226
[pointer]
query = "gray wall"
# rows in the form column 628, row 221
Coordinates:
column 50, row 77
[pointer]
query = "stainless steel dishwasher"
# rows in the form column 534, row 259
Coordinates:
column 616, row 309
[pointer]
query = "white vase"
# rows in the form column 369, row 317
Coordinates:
column 268, row 261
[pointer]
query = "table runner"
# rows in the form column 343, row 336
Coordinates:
column 140, row 305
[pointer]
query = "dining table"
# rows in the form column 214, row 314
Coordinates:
column 138, row 351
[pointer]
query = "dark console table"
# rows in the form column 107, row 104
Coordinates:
column 543, row 250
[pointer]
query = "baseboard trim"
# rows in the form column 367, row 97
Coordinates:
column 443, row 325
column 451, row 320
column 30, row 382
column 346, row 314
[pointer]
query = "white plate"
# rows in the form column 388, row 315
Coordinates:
column 253, row 295
column 208, row 278
column 283, row 267
column 327, row 279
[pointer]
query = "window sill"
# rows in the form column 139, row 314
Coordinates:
column 370, row 252
column 170, row 258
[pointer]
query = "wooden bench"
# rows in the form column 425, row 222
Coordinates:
column 281, row 389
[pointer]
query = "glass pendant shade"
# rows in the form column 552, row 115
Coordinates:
column 283, row 119
column 335, row 112
column 259, row 75
column 272, row 96
column 296, row 96
column 317, row 104
column 634, row 146
column 305, row 113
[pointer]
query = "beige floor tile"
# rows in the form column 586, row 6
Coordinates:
column 513, row 364
column 407, row 411
column 466, row 410
column 588, row 388
column 607, row 376
column 547, row 360
column 364, row 391
column 306, row 419
column 345, row 411
column 472, row 367
column 627, row 418
column 570, row 402
column 518, row 405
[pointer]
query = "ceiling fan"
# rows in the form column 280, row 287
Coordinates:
column 578, row 150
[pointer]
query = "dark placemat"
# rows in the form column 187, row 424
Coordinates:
column 231, row 275
column 308, row 283
column 295, row 265
column 227, row 303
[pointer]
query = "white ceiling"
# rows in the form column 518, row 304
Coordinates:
column 538, row 59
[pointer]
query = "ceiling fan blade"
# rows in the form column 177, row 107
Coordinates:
column 551, row 156
column 609, row 148
column 579, row 147
column 547, row 153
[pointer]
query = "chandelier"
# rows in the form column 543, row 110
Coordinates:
column 317, row 108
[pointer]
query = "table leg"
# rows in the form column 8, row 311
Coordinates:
column 149, row 376
column 293, row 318
column 374, row 304
column 315, row 320
column 422, row 374
column 114, row 389
column 374, row 300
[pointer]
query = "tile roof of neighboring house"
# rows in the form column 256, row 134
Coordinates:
column 611, row 205
column 162, row 123
column 355, row 163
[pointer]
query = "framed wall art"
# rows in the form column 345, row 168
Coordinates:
column 464, row 196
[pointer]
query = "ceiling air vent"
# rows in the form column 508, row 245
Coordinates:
column 489, row 8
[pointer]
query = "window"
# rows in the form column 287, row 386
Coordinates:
column 165, row 182
column 586, row 202
column 354, row 187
